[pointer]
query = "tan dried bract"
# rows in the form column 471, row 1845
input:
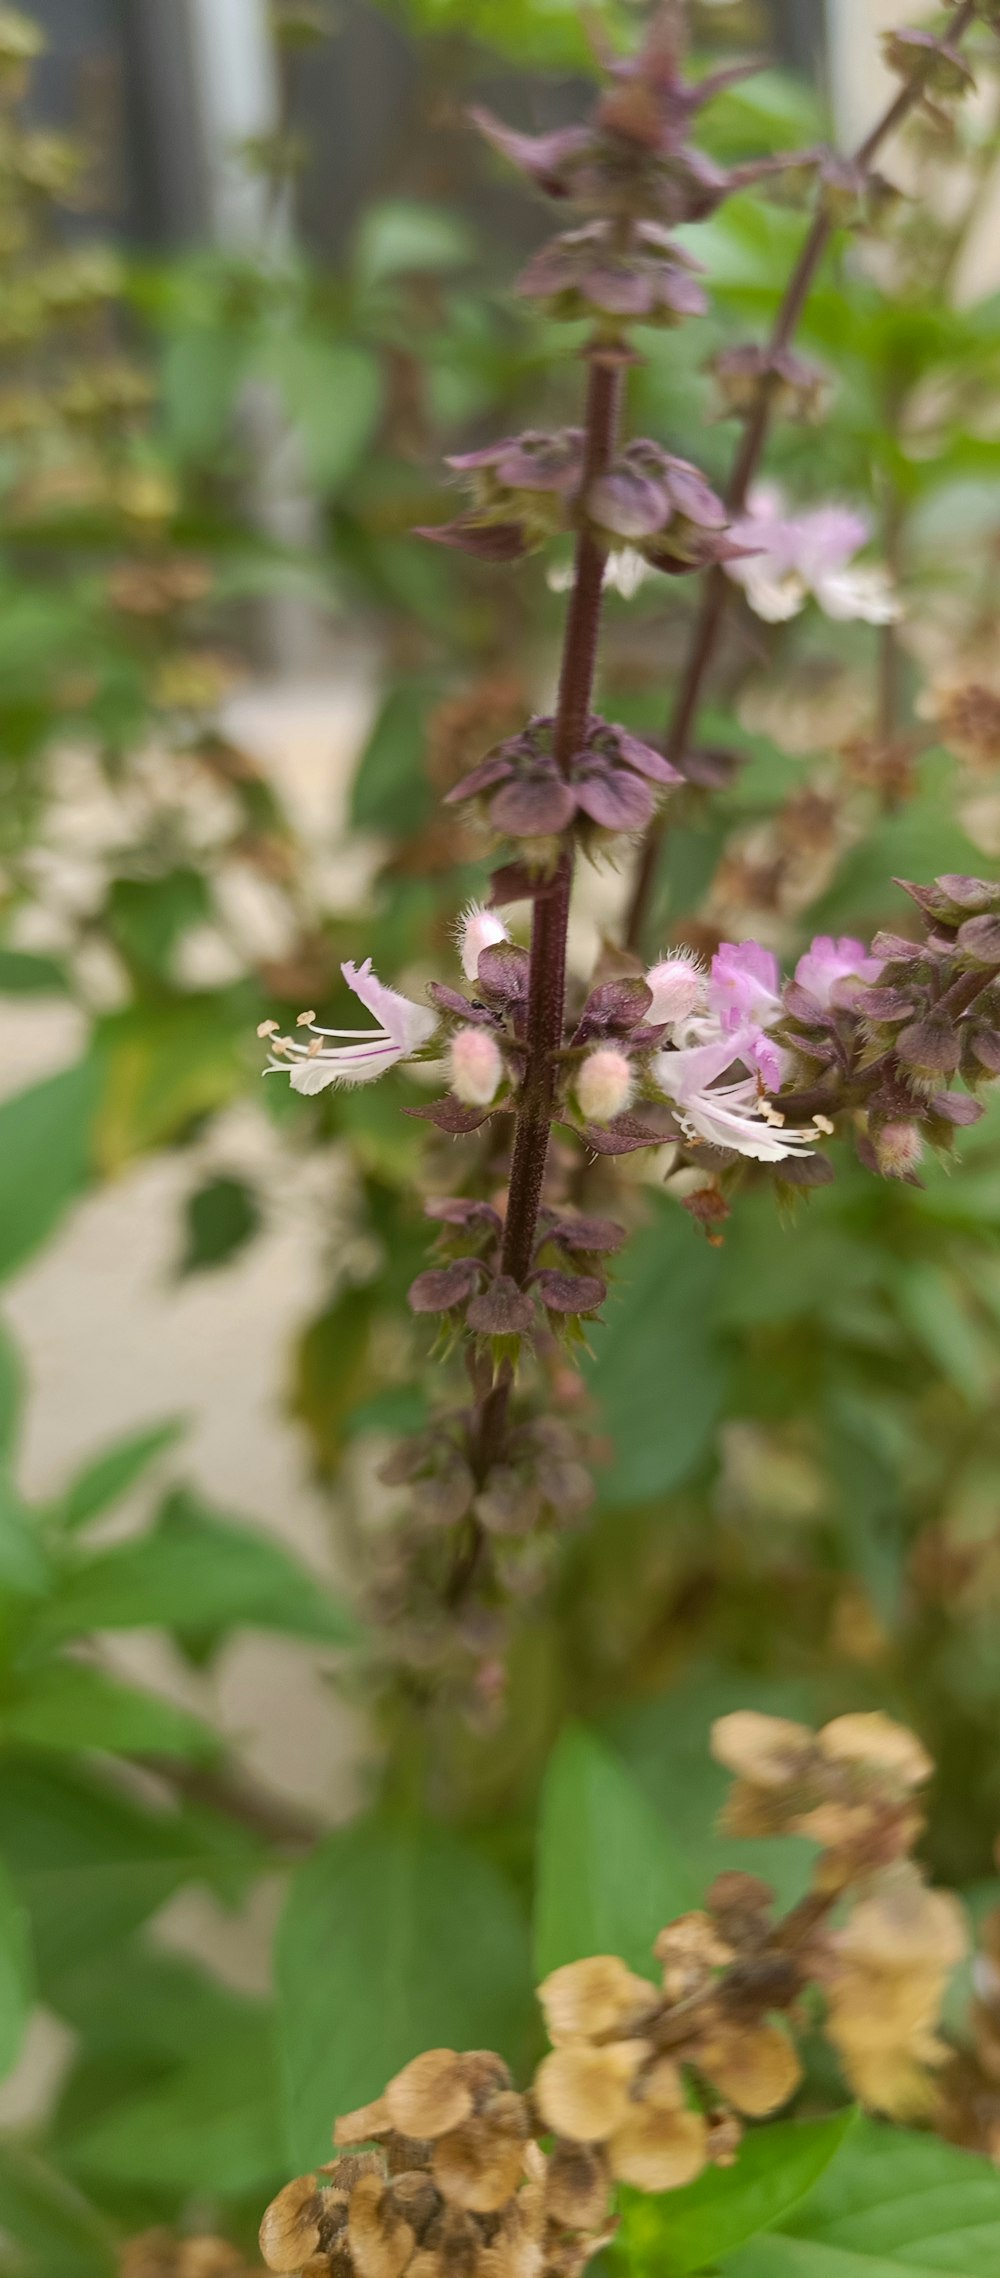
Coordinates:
column 875, row 1743
column 585, row 1999
column 583, row 2091
column 290, row 2231
column 660, row 2151
column 769, row 1751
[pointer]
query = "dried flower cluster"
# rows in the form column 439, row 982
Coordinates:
column 647, row 2084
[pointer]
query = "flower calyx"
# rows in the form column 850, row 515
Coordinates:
column 611, row 785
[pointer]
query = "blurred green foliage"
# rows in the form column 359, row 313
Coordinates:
column 797, row 1505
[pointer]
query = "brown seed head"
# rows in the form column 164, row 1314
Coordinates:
column 754, row 2067
column 583, row 2092
column 290, row 2231
column 659, row 2151
column 381, row 2242
column 585, row 1999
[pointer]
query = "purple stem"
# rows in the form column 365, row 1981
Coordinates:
column 547, row 976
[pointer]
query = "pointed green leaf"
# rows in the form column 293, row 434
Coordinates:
column 109, row 1476
column 24, row 1569
column 212, row 2125
column 44, row 1157
column 55, row 2232
column 68, row 1704
column 91, row 1864
column 659, row 1369
column 16, row 1973
column 895, row 2205
column 678, row 2232
column 395, row 1939
column 11, row 1394
column 609, row 1876
column 196, row 1573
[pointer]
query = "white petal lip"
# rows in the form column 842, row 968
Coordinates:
column 728, row 1115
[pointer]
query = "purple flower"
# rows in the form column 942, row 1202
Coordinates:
column 361, row 1054
column 828, row 962
column 787, row 557
column 745, row 985
column 737, row 1116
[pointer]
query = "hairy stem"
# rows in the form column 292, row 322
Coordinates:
column 547, row 978
column 718, row 588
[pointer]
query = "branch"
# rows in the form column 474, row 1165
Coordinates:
column 718, row 588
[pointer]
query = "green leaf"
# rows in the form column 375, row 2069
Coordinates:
column 334, row 1372
column 148, row 917
column 108, row 1477
column 55, row 2232
column 677, row 2232
column 197, row 1573
column 166, row 1065
column 11, row 1394
column 91, row 1865
column 16, row 1973
column 395, row 1939
column 391, row 789
column 894, row 2203
column 666, row 1745
column 659, row 1370
column 608, row 1876
column 24, row 1569
column 201, row 370
column 24, row 974
column 44, row 1157
column 220, row 1219
column 333, row 393
column 213, row 2125
column 930, row 1303
column 68, row 1705
column 401, row 238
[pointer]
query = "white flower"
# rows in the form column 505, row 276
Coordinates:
column 478, row 929
column 736, row 1115
column 624, row 572
column 364, row 1053
column 798, row 555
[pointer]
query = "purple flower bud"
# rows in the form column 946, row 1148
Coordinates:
column 502, row 1310
column 443, row 1287
column 569, row 1292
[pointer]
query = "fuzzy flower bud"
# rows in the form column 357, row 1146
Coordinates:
column 605, row 1084
column 678, row 988
column 476, row 1066
column 899, row 1149
column 478, row 929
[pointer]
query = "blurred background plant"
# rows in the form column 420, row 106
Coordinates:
column 210, row 464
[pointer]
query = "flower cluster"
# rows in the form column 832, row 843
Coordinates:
column 648, row 2083
column 530, row 488
column 610, row 785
